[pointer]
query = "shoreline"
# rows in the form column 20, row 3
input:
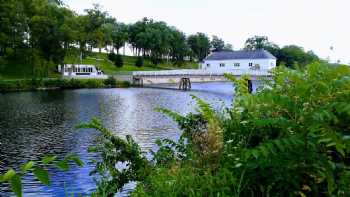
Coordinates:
column 24, row 85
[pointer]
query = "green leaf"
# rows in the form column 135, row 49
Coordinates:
column 8, row 175
column 42, row 175
column 16, row 185
column 340, row 149
column 279, row 145
column 27, row 166
column 62, row 165
column 331, row 144
column 77, row 161
column 255, row 153
column 324, row 140
column 48, row 159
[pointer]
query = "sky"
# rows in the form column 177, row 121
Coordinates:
column 315, row 25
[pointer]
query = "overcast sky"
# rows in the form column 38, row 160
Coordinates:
column 313, row 24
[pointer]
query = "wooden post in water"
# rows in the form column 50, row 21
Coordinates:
column 250, row 86
column 185, row 84
column 138, row 81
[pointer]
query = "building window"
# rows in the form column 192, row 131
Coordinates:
column 222, row 64
column 255, row 67
column 236, row 64
column 250, row 64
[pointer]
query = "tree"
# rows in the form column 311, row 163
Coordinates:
column 178, row 45
column 96, row 18
column 292, row 55
column 45, row 38
column 217, row 44
column 200, row 45
column 13, row 27
column 228, row 47
column 119, row 36
column 256, row 43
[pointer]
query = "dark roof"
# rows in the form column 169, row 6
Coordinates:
column 244, row 54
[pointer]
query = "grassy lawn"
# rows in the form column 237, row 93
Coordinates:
column 101, row 60
column 18, row 69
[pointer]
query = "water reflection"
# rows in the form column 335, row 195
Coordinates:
column 33, row 124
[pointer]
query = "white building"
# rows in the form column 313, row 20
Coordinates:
column 80, row 71
column 239, row 60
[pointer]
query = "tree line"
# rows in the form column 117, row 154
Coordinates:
column 43, row 32
column 290, row 55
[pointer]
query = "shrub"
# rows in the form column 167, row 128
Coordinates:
column 155, row 60
column 112, row 57
column 110, row 81
column 118, row 62
column 94, row 83
column 116, row 59
column 139, row 62
column 288, row 139
column 33, row 84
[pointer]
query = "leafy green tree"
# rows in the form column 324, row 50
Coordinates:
column 200, row 45
column 217, row 44
column 96, row 18
column 13, row 27
column 228, row 47
column 293, row 55
column 178, row 45
column 290, row 55
column 45, row 37
column 119, row 36
column 256, row 43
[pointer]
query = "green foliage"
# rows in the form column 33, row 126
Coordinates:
column 110, row 81
column 291, row 55
column 119, row 62
column 38, row 84
column 256, row 43
column 113, row 151
column 39, row 171
column 139, row 62
column 218, row 44
column 288, row 139
column 116, row 59
column 199, row 45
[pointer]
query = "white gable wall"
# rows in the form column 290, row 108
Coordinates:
column 265, row 64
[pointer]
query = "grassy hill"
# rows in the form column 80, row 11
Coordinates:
column 19, row 69
column 101, row 60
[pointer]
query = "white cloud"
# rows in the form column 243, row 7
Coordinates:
column 314, row 24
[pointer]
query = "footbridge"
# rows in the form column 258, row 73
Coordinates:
column 185, row 77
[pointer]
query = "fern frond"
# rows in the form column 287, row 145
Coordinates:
column 273, row 147
column 204, row 108
column 171, row 114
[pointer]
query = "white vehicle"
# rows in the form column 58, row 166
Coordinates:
column 80, row 71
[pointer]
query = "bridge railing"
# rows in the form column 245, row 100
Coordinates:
column 195, row 72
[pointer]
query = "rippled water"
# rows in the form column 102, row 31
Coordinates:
column 33, row 124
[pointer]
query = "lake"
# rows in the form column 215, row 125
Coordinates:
column 34, row 124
